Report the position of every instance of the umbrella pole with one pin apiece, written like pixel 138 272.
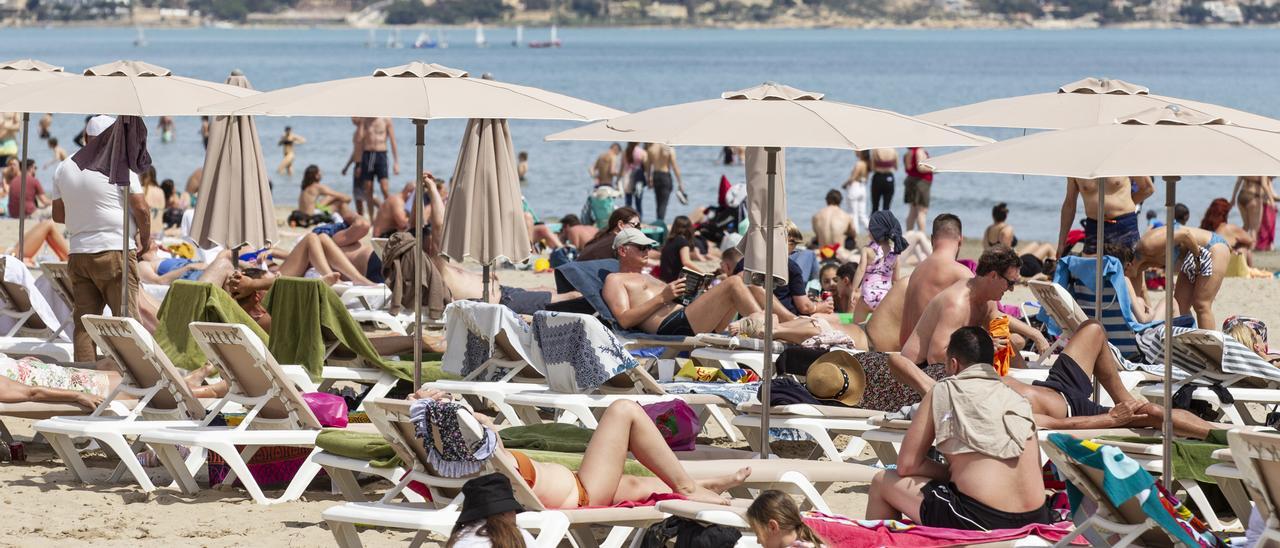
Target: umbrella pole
pixel 420 127
pixel 1167 455
pixel 22 189
pixel 124 256
pixel 1100 254
pixel 771 169
pixel 485 272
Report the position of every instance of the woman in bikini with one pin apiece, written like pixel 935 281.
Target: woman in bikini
pixel 624 428
pixel 1251 194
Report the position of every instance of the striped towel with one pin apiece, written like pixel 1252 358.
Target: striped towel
pixel 1216 355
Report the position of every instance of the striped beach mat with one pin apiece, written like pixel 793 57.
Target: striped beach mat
pixel 1217 356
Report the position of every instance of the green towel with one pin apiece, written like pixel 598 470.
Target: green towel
pixel 302 311
pixel 573 461
pixel 358 445
pixel 1190 457
pixel 565 438
pixel 188 302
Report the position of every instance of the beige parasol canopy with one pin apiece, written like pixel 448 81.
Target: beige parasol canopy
pixel 1170 141
pixel 758 209
pixel 771 116
pixel 21 71
pixel 235 205
pixel 1086 102
pixel 131 88
pixel 417 90
pixel 484 219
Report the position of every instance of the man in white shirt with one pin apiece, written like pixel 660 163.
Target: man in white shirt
pixel 90 207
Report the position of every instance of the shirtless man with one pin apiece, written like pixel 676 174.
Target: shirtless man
pixel 1121 215
pixel 287 142
pixel 968 302
pixel 375 134
pixel 360 191
pixel 937 272
pixel 640 301
pixel 605 170
pixel 465 284
pixel 392 218
pixel 833 224
pixel 992 477
pixel 660 163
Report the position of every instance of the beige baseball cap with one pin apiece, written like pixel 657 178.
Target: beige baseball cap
pixel 632 236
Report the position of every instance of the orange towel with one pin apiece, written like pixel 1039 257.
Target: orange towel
pixel 999 328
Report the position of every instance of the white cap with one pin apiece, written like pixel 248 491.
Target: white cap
pixel 730 241
pixel 98 124
pixel 632 236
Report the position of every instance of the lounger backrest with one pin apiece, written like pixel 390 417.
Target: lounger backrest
pixel 1058 304
pixel 392 418
pixel 253 372
pixel 143 364
pixel 1089 481
pixel 15 299
pixel 61 280
pixel 1257 455
pixel 1114 317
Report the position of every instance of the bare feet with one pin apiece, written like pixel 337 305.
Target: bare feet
pixel 702 494
pixel 726 482
pixel 331 278
pixel 750 326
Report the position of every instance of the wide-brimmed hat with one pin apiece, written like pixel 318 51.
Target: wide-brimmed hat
pixel 837 376
pixel 486 496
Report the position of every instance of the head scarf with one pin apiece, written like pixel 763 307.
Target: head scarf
pixel 1254 325
pixel 884 225
pixel 448 451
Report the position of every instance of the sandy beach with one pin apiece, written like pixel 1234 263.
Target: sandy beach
pixel 41 507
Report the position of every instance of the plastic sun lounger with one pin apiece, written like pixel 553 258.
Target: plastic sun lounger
pixel 164 400
pixel 29 336
pixel 1256 458
pixel 1212 346
pixel 276 411
pixel 517 376
pixel 821 422
pixel 1150 457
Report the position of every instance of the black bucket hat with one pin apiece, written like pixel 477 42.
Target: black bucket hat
pixel 486 496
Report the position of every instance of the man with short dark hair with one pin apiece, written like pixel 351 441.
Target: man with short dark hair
pixel 832 224
pixel 845 295
pixel 992 478
pixel 970 302
pixel 934 274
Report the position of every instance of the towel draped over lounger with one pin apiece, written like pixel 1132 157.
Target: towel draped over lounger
pixel 188 302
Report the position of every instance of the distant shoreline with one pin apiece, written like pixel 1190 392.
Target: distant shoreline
pixel 941 24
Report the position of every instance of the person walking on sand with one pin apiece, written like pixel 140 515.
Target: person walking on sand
pixel 287 142
pixel 917 188
pixel 660 165
pixel 376 134
pixel 605 170
pixel 884 162
pixel 855 191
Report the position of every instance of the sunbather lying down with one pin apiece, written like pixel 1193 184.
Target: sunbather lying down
pixel 30 380
pixel 599 481
pixel 815 330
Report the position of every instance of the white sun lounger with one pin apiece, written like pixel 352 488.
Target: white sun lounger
pixel 821 422
pixel 32 328
pixel 164 400
pixel 1257 456
pixel 1150 456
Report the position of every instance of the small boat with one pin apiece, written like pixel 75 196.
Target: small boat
pixel 372 41
pixel 140 40
pixel 480 41
pixel 554 42
pixel 393 40
pixel 441 40
pixel 424 41
pixel 519 36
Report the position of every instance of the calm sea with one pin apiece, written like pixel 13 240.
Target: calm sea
pixel 902 70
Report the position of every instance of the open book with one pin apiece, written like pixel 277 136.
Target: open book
pixel 694 284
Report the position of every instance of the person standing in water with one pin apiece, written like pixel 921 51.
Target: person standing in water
pixel 855 191
pixel 287 142
pixel 165 126
pixel 660 166
pixel 884 162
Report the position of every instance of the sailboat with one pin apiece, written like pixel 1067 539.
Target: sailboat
pixel 393 40
pixel 480 41
pixel 372 41
pixel 141 39
pixel 441 40
pixel 554 42
pixel 519 36
pixel 424 41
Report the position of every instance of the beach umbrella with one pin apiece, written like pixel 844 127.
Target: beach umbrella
pixel 120 88
pixel 235 197
pixel 1168 141
pixel 771 116
pixel 421 92
pixel 766 213
pixel 1086 102
pixel 485 187
pixel 22 71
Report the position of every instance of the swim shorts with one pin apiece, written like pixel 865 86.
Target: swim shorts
pixel 1122 230
pixel 945 506
pixel 676 323
pixel 1076 388
pixel 373 165
pixel 916 191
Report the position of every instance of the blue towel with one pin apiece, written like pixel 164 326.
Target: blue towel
pixel 587 277
pixel 1082 269
pixel 807 260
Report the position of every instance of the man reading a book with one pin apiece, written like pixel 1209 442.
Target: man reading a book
pixel 642 302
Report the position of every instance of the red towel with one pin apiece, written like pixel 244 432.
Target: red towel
pixel 846 533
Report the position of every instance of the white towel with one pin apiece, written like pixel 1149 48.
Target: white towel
pixel 472 328
pixel 16 272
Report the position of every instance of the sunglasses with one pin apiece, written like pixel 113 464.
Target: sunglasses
pixel 634 224
pixel 1011 283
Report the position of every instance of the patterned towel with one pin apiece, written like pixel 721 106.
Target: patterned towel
pixel 472 330
pixel 577 352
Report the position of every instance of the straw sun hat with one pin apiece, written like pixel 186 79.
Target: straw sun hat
pixel 838 376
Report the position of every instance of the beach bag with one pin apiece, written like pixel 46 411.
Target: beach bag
pixel 329 409
pixel 677 422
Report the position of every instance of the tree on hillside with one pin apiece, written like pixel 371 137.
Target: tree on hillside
pixel 406 12
pixel 1010 7
pixel 463 11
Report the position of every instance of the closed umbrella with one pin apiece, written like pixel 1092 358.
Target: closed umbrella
pixel 485 187
pixel 1171 141
pixel 1085 102
pixel 122 88
pixel 419 91
pixel 235 197
pixel 771 116
pixel 766 213
pixel 21 71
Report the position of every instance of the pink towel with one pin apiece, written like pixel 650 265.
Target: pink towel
pixel 847 533
pixel 651 501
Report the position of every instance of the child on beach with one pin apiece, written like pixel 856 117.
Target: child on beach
pixel 879 265
pixel 777 522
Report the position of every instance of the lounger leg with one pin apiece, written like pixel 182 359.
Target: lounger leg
pixel 66 450
pixel 5 435
pixel 183 478
pixel 550 535
pixel 584 415
pixel 886 452
pixel 824 441
pixel 810 492
pixel 583 537
pixel 124 450
pixel 237 461
pixel 346 483
pixel 1196 494
pixel 618 536
pixel 717 414
pixel 306 473
pixel 345 534
pixel 1237 497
